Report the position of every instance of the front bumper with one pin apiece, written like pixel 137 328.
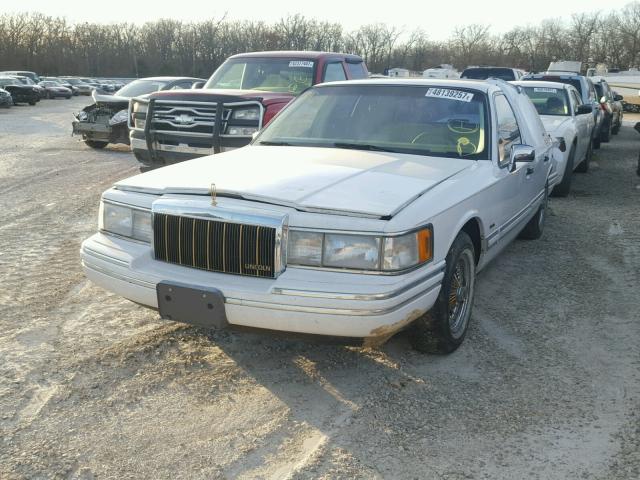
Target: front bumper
pixel 299 300
pixel 6 101
pixel 117 133
pixel 165 153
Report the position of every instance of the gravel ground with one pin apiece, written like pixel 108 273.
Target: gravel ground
pixel 546 385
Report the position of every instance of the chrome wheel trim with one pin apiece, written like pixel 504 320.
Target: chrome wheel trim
pixel 461 293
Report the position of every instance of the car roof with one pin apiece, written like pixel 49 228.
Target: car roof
pixel 481 85
pixel 542 83
pixel 168 79
pixel 296 54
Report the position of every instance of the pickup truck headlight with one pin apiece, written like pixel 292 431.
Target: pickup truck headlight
pixel 139 114
pixel 360 252
pixel 246 114
pixel 125 221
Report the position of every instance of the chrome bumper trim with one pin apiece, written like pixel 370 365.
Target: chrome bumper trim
pixel 357 296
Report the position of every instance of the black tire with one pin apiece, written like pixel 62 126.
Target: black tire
pixel 68 97
pixel 436 331
pixel 605 133
pixel 534 228
pixel 96 144
pixel 564 187
pixel 616 128
pixel 596 142
pixel 32 102
pixel 583 167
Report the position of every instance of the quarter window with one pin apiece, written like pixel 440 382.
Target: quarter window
pixel 356 70
pixel 508 130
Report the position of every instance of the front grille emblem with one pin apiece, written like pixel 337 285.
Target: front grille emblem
pixel 183 119
pixel 214 194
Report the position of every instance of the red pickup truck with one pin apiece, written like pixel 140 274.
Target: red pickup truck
pixel 245 93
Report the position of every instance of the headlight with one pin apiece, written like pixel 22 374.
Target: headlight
pixel 360 252
pixel 119 117
pixel 82 116
pixel 351 251
pixel 125 221
pixel 246 131
pixel 305 248
pixel 246 114
pixel 139 114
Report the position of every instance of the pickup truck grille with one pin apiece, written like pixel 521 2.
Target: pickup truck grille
pixel 216 246
pixel 185 119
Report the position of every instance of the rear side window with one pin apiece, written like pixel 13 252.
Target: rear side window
pixel 484 73
pixel 356 70
pixel 508 130
pixel 334 72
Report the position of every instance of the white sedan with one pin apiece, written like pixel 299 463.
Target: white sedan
pixel 567 120
pixel 364 208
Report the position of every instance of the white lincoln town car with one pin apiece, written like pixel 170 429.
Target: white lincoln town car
pixel 364 208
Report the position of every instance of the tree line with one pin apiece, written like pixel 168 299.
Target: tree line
pixel 53 46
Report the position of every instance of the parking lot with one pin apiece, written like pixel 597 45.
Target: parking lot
pixel 546 385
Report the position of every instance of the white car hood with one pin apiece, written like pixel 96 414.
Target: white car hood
pixel 372 184
pixel 554 123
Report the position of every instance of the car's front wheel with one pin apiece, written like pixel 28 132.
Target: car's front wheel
pixel 443 328
pixel 564 187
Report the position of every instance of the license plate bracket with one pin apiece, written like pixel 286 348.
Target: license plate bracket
pixel 201 306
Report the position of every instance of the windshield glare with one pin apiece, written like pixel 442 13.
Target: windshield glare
pixel 140 87
pixel 417 120
pixel 549 101
pixel 265 74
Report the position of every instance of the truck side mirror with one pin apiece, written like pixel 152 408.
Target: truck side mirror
pixel 617 97
pixel 197 85
pixel 584 109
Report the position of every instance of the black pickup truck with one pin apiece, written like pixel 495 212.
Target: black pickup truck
pixel 245 93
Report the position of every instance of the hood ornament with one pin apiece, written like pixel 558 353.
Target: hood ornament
pixel 214 194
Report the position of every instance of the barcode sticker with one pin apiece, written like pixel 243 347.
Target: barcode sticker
pixel 300 63
pixel 449 94
pixel 545 90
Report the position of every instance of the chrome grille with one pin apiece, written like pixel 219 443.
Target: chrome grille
pixel 216 246
pixel 185 119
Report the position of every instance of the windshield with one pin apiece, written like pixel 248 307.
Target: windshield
pixel 569 81
pixel 8 81
pixel 405 119
pixel 140 87
pixel 549 101
pixel 484 73
pixel 266 74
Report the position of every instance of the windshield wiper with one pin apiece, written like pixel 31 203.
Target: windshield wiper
pixel 363 146
pixel 277 144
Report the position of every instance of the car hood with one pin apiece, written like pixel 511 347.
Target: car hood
pixel 331 180
pixel 554 122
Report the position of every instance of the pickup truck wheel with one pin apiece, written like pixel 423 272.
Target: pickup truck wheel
pixel 32 102
pixel 534 228
pixel 96 144
pixel 583 167
pixel 443 328
pixel 616 128
pixel 562 189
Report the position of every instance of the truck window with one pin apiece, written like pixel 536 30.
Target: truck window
pixel 334 72
pixel 356 70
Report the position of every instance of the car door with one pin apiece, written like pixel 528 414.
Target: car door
pixel 584 126
pixel 515 187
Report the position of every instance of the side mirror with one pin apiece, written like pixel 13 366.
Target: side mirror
pixel 521 153
pixel 197 85
pixel 617 97
pixel 603 99
pixel 584 109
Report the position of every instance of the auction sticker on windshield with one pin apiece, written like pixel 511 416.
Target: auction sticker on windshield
pixel 300 63
pixel 545 90
pixel 449 94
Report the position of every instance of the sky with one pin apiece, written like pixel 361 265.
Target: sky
pixel 437 19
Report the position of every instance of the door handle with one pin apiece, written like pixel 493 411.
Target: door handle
pixel 530 170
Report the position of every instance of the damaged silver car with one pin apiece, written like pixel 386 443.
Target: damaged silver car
pixel 105 121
